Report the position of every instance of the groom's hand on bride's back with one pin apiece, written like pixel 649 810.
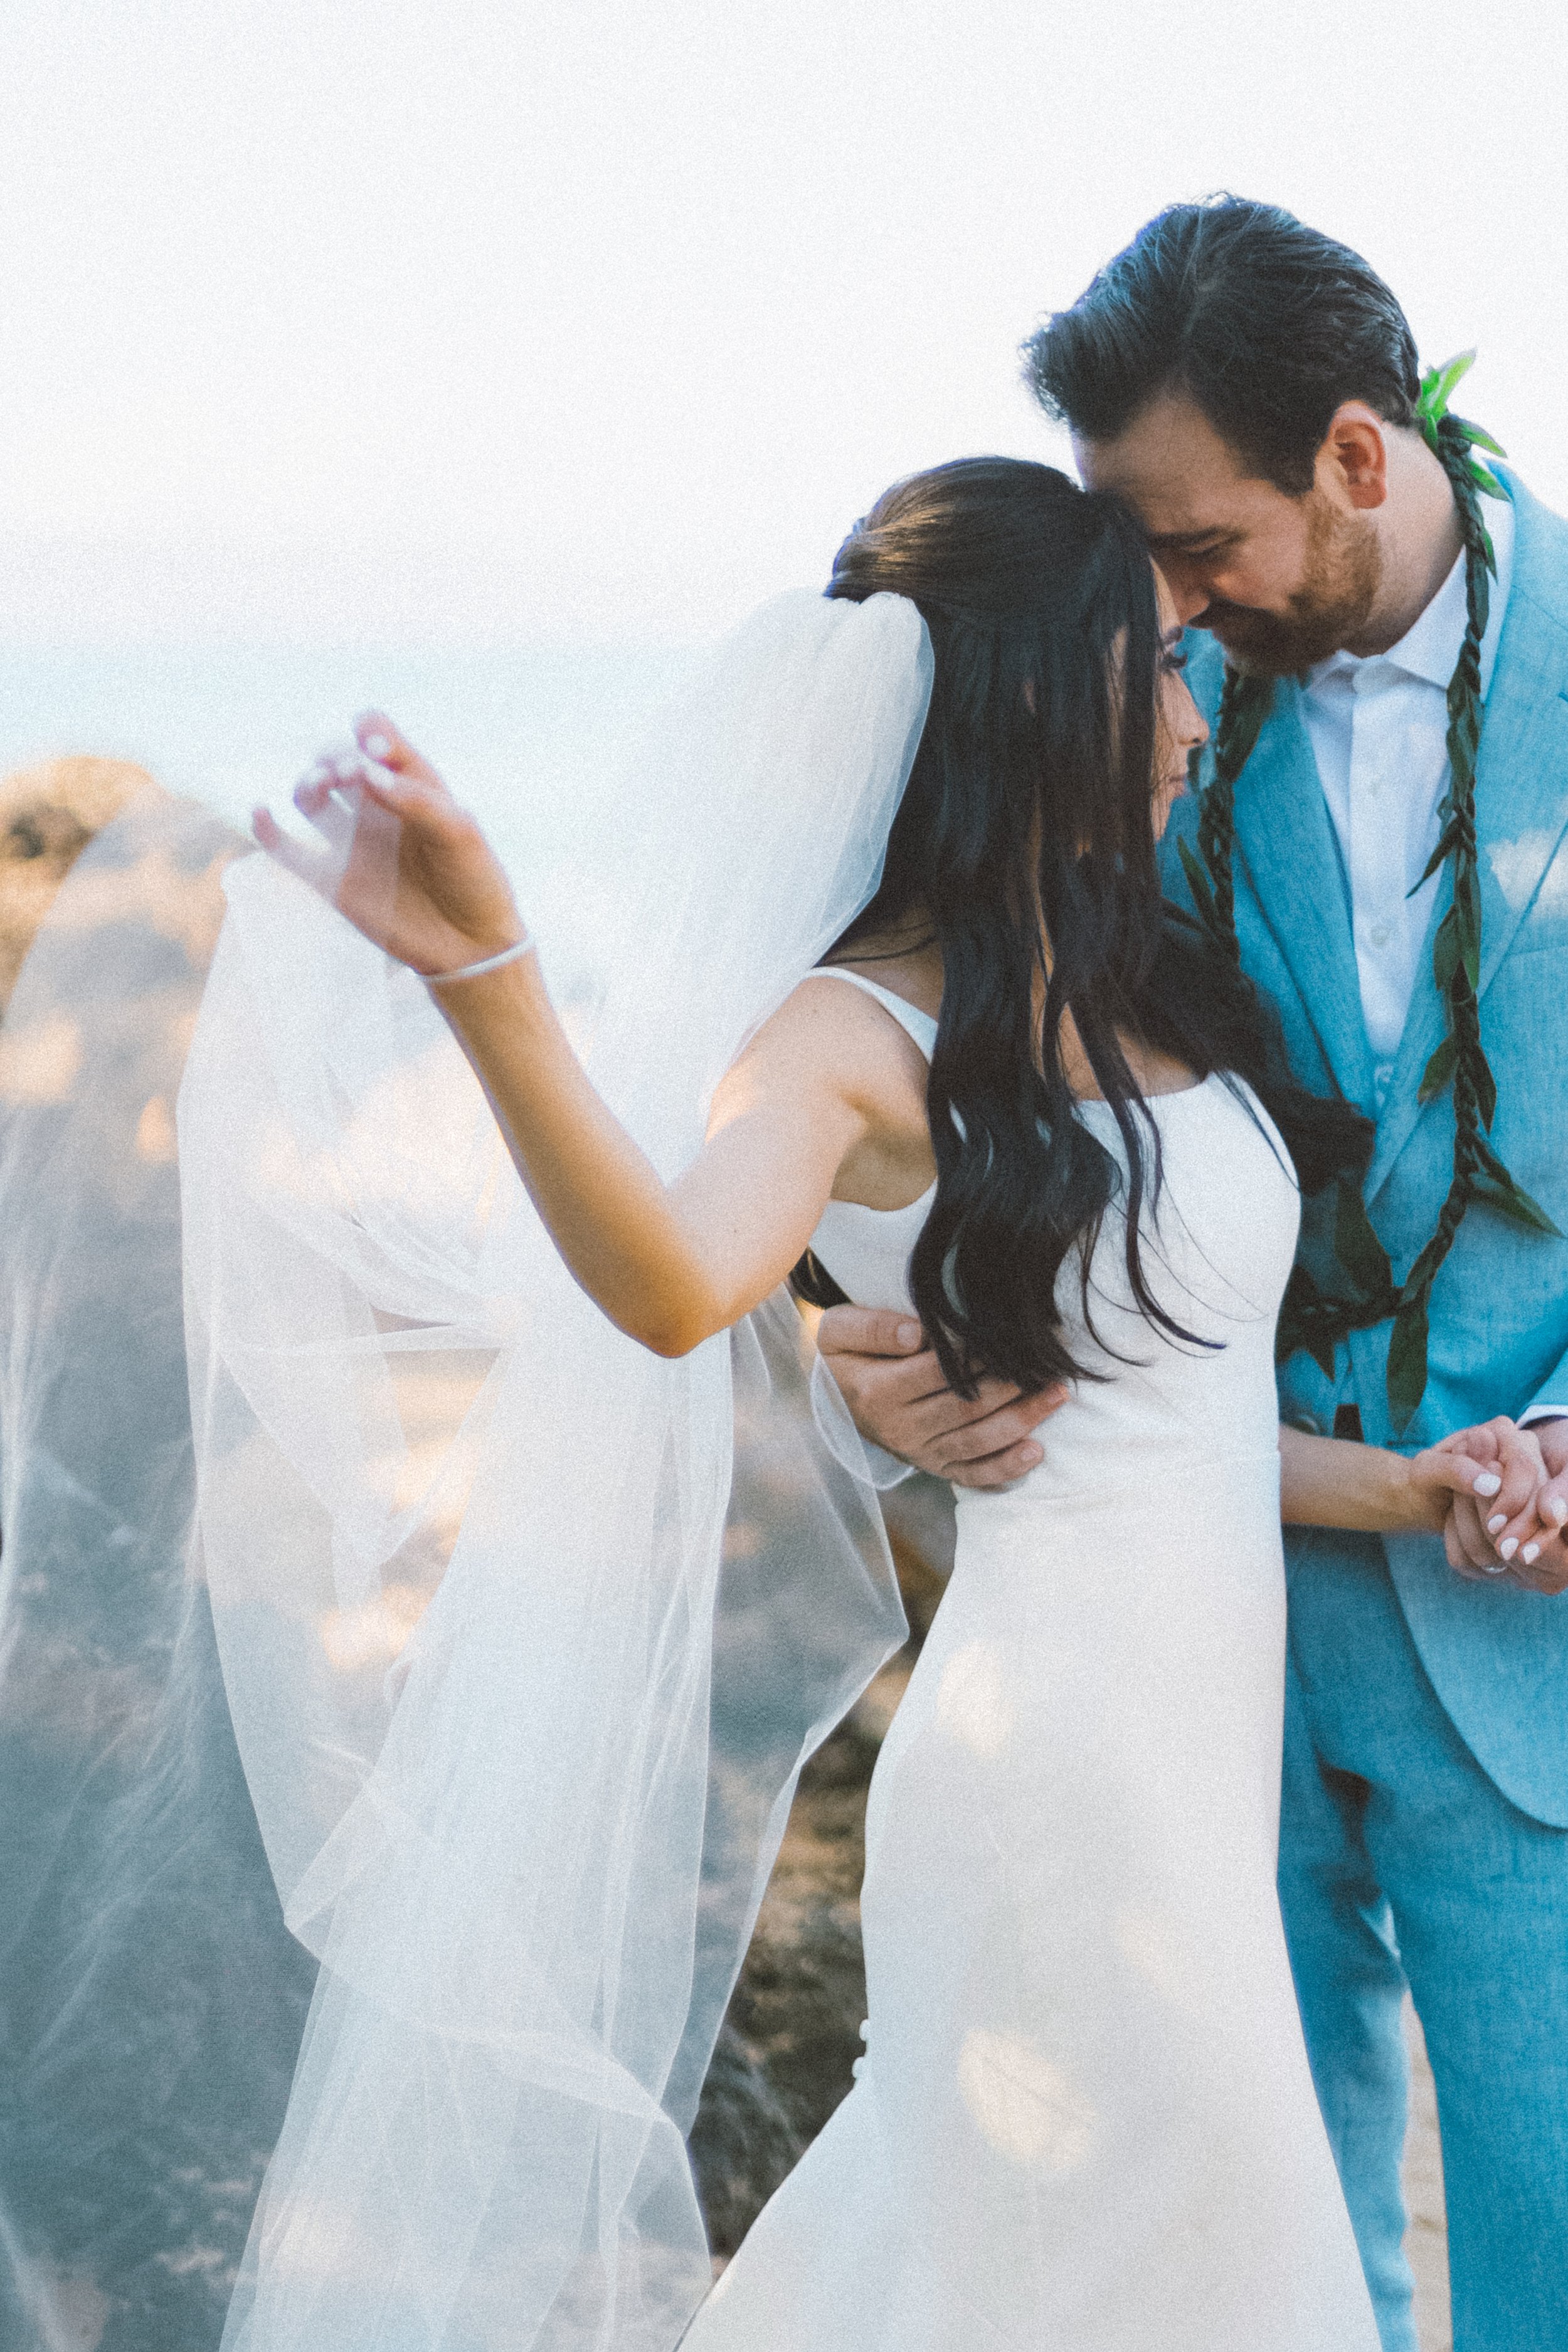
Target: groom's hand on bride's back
pixel 897 1397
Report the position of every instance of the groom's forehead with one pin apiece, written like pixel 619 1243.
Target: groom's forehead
pixel 1181 478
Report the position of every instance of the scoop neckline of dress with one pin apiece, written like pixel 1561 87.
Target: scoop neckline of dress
pixel 1164 1094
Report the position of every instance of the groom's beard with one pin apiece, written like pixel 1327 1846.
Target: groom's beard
pixel 1343 573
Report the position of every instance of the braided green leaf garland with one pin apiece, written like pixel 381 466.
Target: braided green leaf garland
pixel 1311 1317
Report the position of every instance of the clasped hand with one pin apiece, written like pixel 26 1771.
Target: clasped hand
pixel 1522 1529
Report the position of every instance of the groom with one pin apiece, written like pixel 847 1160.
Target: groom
pixel 1249 387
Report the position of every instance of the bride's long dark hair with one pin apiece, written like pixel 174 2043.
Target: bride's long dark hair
pixel 1028 817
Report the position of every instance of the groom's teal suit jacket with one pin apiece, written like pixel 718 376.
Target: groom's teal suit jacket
pixel 1497 1656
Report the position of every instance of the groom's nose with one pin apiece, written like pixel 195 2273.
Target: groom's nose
pixel 1189 590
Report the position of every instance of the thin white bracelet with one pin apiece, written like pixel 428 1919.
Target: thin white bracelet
pixel 522 946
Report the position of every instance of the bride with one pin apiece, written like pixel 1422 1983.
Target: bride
pixel 900 1006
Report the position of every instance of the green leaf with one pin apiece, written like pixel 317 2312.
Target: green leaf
pixel 1465 912
pixel 1407 1362
pixel 1438 859
pixel 1440 384
pixel 1478 591
pixel 1246 701
pixel 1482 440
pixel 1511 1199
pixel 1423 1274
pixel 1516 1205
pixel 1198 882
pixel 1446 953
pixel 1301 1325
pixel 1464 728
pixel 1486 1088
pixel 1356 1244
pixel 1485 479
pixel 1438 1071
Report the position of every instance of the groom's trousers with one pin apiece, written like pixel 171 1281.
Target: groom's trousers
pixel 1401 1862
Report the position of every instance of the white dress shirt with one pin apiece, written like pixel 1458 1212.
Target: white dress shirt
pixel 1378 725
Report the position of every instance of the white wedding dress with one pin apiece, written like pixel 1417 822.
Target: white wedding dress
pixel 1084 2121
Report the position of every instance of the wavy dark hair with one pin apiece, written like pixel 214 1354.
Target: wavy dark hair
pixel 1027 818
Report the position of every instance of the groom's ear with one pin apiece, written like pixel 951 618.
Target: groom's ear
pixel 1353 462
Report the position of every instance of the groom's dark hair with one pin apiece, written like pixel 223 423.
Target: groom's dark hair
pixel 1267 326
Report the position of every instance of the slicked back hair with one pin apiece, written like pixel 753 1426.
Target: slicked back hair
pixel 1267 326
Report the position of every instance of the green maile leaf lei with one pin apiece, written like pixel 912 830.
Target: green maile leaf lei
pixel 1311 1317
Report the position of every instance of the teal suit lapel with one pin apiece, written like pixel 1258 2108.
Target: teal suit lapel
pixel 1521 801
pixel 1285 839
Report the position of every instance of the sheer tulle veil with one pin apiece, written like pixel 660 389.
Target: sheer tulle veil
pixel 466 1544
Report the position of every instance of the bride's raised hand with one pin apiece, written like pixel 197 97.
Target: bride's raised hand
pixel 398 856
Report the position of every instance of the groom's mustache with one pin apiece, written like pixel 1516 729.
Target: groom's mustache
pixel 1215 618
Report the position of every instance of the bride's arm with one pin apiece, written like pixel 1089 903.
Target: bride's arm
pixel 669 1264
pixel 1330 1481
pixel 1336 1482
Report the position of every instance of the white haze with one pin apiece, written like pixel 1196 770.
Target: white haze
pixel 485 324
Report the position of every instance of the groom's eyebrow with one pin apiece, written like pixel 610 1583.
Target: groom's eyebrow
pixel 1184 542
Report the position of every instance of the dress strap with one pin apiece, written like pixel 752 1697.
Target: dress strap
pixel 919 1025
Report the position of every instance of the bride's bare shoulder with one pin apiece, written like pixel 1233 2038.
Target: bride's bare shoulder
pixel 829 1034
pixel 906 965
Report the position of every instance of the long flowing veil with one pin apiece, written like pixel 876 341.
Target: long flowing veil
pixel 151 1999
pixel 463 1540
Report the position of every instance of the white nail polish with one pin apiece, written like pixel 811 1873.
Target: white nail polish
pixel 1558 1509
pixel 1531 1554
pixel 379 746
pixel 1500 1520
pixel 1508 1548
pixel 1494 1566
pixel 1488 1483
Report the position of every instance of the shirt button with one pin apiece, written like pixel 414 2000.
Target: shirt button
pixel 1380 934
pixel 1381 1077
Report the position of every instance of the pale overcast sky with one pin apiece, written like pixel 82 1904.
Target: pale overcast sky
pixel 466 320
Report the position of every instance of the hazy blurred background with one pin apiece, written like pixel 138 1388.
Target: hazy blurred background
pixel 471 357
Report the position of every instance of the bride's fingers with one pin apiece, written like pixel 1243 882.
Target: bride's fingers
pixel 1511 1520
pixel 1480 1443
pixel 380 740
pixel 331 805
pixel 1455 1474
pixel 332 795
pixel 309 864
pixel 1522 1528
